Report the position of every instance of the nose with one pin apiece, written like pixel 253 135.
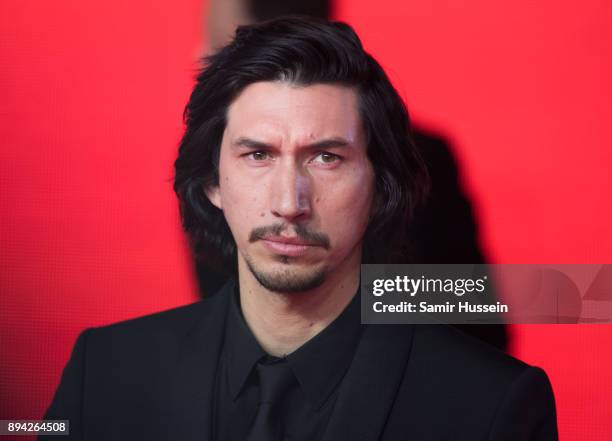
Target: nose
pixel 290 192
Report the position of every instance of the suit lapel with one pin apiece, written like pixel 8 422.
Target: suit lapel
pixel 367 392
pixel 193 389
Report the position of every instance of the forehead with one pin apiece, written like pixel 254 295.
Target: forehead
pixel 291 112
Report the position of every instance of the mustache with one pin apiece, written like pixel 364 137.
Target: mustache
pixel 304 233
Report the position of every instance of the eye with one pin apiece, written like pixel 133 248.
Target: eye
pixel 258 155
pixel 326 158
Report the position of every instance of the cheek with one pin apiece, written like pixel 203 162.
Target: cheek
pixel 345 213
pixel 242 205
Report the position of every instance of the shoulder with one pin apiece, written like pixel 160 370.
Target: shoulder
pixel 153 334
pixel 472 387
pixel 455 361
pixel 174 320
pixel 445 362
pixel 445 347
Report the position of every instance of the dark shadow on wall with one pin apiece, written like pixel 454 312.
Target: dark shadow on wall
pixel 445 229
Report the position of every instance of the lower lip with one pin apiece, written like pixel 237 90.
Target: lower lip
pixel 287 249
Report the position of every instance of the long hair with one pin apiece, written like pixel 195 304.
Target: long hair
pixel 302 51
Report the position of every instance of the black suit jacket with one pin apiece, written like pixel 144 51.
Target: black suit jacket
pixel 152 378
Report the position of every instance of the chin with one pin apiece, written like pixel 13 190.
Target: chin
pixel 287 278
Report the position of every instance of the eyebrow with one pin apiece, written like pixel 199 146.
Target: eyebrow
pixel 322 144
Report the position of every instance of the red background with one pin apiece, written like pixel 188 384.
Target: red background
pixel 91 100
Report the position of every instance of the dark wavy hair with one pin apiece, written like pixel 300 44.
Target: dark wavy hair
pixel 302 51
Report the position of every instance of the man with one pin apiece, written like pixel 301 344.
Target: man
pixel 296 166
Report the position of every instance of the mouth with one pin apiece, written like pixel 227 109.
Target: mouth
pixel 288 246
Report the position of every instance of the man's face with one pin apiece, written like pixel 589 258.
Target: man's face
pixel 295 183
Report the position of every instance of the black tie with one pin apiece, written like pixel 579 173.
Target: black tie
pixel 274 381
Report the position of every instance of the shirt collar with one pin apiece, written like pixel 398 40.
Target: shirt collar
pixel 319 364
pixel 243 350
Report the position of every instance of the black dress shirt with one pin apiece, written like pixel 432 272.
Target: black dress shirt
pixel 318 365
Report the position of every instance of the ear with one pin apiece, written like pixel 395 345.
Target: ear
pixel 214 195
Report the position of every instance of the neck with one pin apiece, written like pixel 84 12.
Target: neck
pixel 280 322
